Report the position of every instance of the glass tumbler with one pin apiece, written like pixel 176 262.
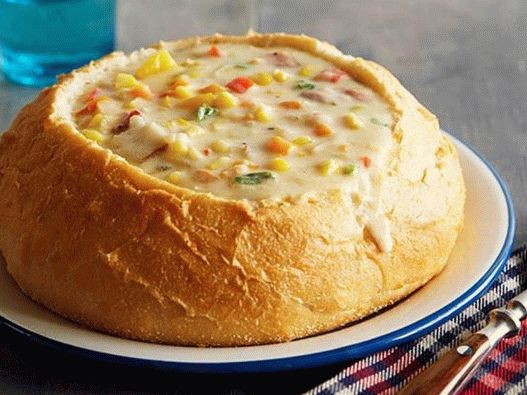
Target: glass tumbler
pixel 40 39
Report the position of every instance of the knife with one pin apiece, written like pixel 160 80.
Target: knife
pixel 452 371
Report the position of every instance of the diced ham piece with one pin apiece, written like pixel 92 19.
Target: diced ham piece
pixel 125 123
pixel 321 97
pixel 330 75
pixel 357 95
pixel 282 58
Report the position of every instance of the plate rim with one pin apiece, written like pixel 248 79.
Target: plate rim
pixel 311 360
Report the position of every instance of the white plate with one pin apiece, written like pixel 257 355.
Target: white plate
pixel 478 257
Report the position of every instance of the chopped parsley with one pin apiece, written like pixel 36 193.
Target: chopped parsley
pixel 204 111
pixel 253 178
pixel 163 168
pixel 301 84
pixel 241 66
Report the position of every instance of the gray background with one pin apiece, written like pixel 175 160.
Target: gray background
pixel 465 60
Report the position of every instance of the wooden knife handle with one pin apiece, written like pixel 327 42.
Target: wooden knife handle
pixel 448 374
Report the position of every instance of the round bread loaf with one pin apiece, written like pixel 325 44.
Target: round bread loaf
pixel 118 212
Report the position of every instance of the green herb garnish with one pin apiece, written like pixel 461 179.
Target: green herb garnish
pixel 163 168
pixel 301 84
pixel 253 178
pixel 348 170
pixel 205 111
pixel 241 66
pixel 378 122
pixel 356 107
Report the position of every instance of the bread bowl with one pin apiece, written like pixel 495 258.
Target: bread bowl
pixel 327 208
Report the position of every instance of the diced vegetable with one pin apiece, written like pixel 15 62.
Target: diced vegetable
pixel 180 80
pixel 225 100
pixel 302 140
pixel 95 122
pixel 348 170
pixel 279 164
pixel 357 107
pixel 142 90
pixel 301 84
pixel 93 135
pixel 125 81
pixel 212 88
pixel 177 148
pixel 331 75
pixel 194 73
pixel 89 108
pixel 219 163
pixel 366 161
pixel 194 154
pixel 280 76
pixel 156 63
pixel 329 167
pixel 253 178
pixel 278 145
pixel 352 121
pixel 175 177
pixel 290 104
pixel 306 71
pixel 192 103
pixel 181 92
pixel 220 146
pixel 240 84
pixel 168 102
pixel 262 114
pixel 322 130
pixel 262 79
pixel 241 66
pixel 215 51
pixel 205 111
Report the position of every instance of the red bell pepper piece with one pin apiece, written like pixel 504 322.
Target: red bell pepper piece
pixel 240 84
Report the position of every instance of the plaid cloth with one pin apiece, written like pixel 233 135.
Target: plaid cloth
pixel 503 372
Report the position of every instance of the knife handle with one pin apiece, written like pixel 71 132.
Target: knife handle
pixel 449 373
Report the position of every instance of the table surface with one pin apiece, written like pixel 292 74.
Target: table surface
pixel 465 60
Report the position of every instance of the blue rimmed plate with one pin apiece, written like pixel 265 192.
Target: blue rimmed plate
pixel 478 257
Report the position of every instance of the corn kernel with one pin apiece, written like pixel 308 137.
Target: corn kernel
pixel 262 115
pixel 262 79
pixel 322 130
pixel 180 80
pixel 133 104
pixel 194 130
pixel 306 71
pixel 183 122
pixel 142 90
pixel 182 92
pixel 194 102
pixel 194 154
pixel 278 145
pixel 329 167
pixel 156 63
pixel 167 101
pixel 352 121
pixel 125 81
pixel 194 74
pixel 219 163
pixel 225 100
pixel 220 146
pixel 280 76
pixel 302 140
pixel 177 148
pixel 212 88
pixel 93 135
pixel 279 164
pixel 175 177
pixel 95 122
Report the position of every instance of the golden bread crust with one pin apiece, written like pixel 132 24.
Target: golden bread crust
pixel 98 241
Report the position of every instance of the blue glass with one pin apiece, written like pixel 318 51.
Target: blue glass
pixel 40 39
